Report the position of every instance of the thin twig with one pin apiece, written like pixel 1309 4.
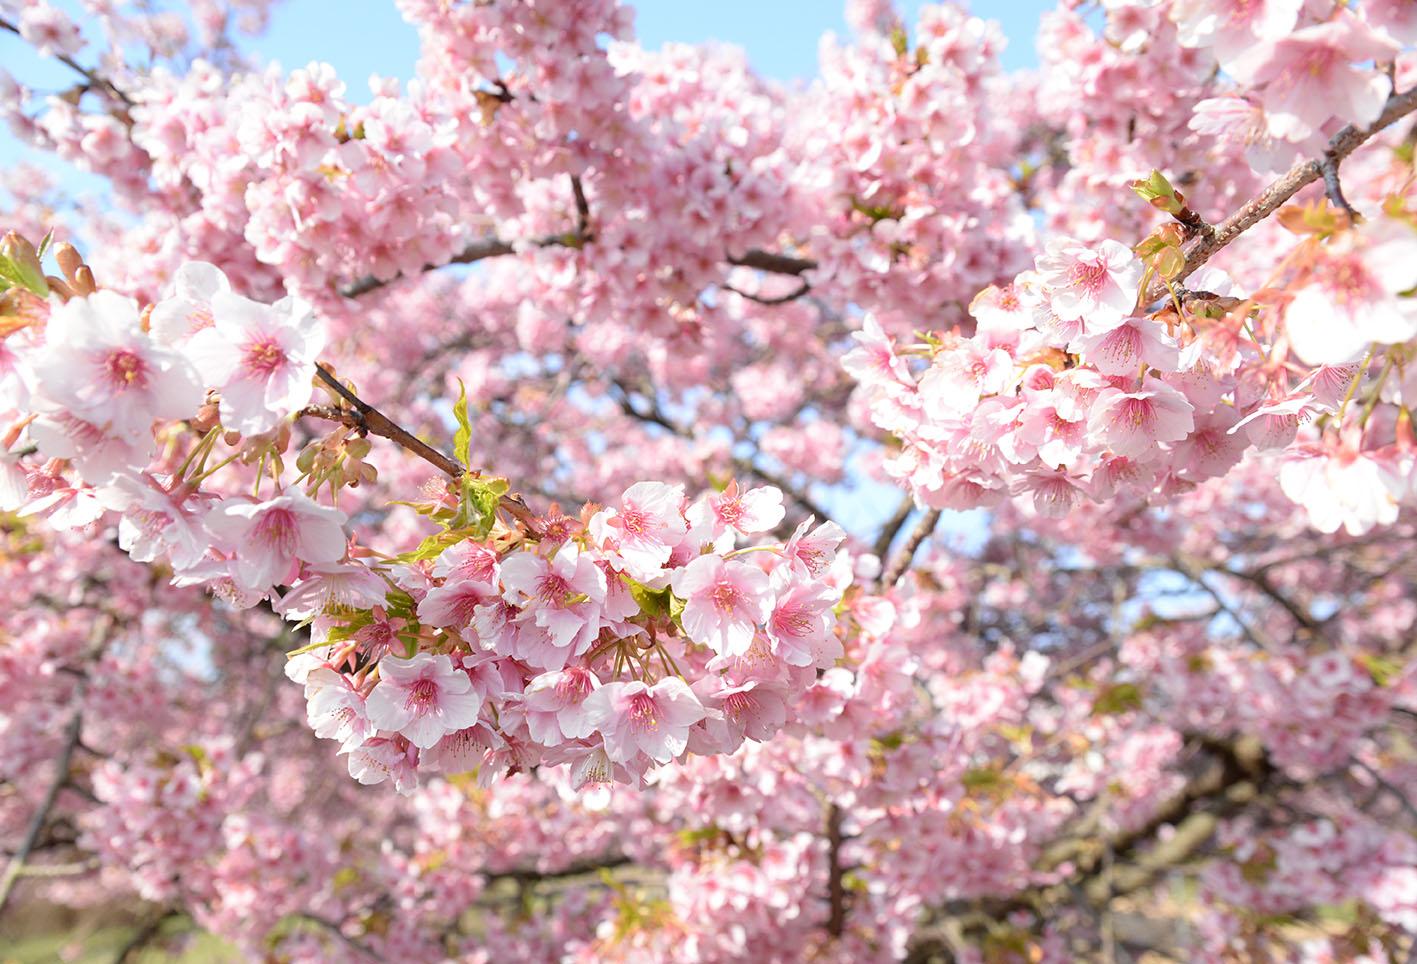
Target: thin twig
pixel 1387 785
pixel 1302 174
pixel 1333 188
pixel 576 869
pixel 96 81
pixel 582 207
pixel 836 874
pixel 368 418
pixel 41 815
pixel 144 935
pixel 359 947
pixel 13 871
pixel 924 526
pixel 891 527
pixel 375 422
pixel 772 262
pixel 792 295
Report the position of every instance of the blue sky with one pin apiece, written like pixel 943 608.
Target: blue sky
pixel 780 35
pixel 368 36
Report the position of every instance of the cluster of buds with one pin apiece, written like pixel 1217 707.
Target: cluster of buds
pixel 336 460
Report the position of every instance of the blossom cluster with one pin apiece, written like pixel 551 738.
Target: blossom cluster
pixel 1068 392
pixel 613 644
pixel 664 726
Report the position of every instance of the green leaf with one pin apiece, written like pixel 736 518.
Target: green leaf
pixel 676 610
pixel 693 836
pixel 44 243
pixel 400 604
pixel 652 602
pixel 1117 698
pixel 1382 667
pixel 477 506
pixel 433 545
pixel 462 441
pixel 15 273
pixel 987 781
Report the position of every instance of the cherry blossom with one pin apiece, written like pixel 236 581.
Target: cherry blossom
pixel 269 537
pixel 423 698
pixel 634 718
pixel 261 357
pixel 724 603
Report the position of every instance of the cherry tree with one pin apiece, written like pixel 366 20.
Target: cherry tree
pixel 585 502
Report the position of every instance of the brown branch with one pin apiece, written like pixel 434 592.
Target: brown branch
pixel 772 262
pixel 1333 188
pixel 1302 174
pixel 1235 776
pixel 496 247
pixel 144 935
pixel 366 417
pixel 13 871
pixel 375 422
pixel 1261 581
pixel 476 251
pixel 576 869
pixel 924 526
pixel 41 815
pixel 792 295
pixel 891 528
pixel 96 81
pixel 836 874
pixel 582 207
pixel 359 947
pixel 747 466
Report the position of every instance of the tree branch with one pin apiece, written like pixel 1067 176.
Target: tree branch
pixel 96 81
pixel 368 418
pixel 375 422
pixel 1302 174
pixel 496 248
pixel 13 871
pixel 891 528
pixel 41 815
pixel 1236 774
pixel 924 526
pixel 576 869
pixel 792 295
pixel 747 466
pixel 144 935
pixel 772 262
pixel 836 874
pixel 359 947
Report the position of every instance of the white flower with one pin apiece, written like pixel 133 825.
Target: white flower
pixel 261 358
pixel 98 366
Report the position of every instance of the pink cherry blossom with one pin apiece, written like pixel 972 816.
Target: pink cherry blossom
pixel 724 603
pixel 753 511
pixel 422 698
pixel 634 718
pixel 1097 284
pixel 556 705
pixel 260 357
pixel 645 529
pixel 1131 423
pixel 98 366
pixel 269 537
pixel 1122 348
pixel 1310 77
pixel 565 594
